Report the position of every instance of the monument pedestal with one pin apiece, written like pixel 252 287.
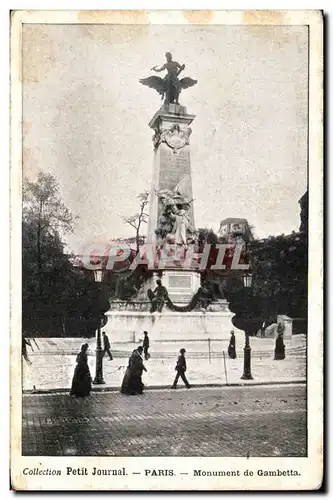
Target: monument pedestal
pixel 128 326
pixel 181 284
pixel 171 222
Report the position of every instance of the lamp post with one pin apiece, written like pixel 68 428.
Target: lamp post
pixel 247 375
pixel 98 275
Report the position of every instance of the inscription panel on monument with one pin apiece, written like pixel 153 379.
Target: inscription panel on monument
pixel 174 167
pixel 179 281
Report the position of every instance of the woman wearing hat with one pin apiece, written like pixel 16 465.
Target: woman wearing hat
pixel 81 383
pixel 232 346
pixel 279 352
pixel 132 381
pixel 181 369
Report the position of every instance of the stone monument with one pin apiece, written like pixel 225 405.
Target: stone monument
pixel 174 307
pixel 171 216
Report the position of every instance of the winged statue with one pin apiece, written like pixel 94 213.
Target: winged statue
pixel 170 86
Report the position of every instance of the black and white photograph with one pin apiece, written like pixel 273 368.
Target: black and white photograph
pixel 166 250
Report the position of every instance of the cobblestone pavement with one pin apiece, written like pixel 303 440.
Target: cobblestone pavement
pixel 256 421
pixel 53 365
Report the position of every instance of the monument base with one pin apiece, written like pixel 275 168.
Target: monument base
pixel 127 326
pixel 181 284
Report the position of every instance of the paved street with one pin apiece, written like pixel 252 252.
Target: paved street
pixel 234 421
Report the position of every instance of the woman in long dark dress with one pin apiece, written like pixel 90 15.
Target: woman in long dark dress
pixel 232 346
pixel 81 383
pixel 132 381
pixel 279 352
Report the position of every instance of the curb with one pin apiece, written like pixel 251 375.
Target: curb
pixel 166 387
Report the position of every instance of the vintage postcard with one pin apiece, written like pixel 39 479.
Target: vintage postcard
pixel 166 250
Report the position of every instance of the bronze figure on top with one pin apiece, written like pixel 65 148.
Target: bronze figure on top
pixel 170 86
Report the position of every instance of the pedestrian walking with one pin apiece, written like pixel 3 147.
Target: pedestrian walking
pixel 262 330
pixel 232 346
pixel 181 369
pixel 132 381
pixel 279 352
pixel 81 383
pixel 145 345
pixel 107 346
pixel 25 343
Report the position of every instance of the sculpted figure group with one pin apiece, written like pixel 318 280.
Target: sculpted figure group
pixel 174 225
pixel 170 86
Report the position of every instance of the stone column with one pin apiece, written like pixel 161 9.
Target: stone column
pixel 172 171
pixel 172 164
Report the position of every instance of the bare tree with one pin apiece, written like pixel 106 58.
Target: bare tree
pixel 139 218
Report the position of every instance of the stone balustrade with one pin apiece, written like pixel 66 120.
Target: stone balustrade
pixel 122 305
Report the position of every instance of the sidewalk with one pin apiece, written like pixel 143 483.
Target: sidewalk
pixel 260 347
pixel 52 371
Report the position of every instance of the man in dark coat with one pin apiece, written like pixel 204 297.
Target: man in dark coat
pixel 107 346
pixel 145 345
pixel 181 369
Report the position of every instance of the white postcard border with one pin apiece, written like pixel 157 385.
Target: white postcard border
pixel 311 467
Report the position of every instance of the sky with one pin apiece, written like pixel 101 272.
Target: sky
pixel 85 120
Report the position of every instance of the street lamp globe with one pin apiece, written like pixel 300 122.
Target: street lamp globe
pixel 98 275
pixel 247 280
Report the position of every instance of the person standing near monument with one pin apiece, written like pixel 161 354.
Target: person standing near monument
pixel 181 369
pixel 107 346
pixel 232 346
pixel 145 345
pixel 279 352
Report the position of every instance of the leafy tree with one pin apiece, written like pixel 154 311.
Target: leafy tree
pixel 47 217
pixel 46 275
pixel 57 297
pixel 279 267
pixel 206 236
pixel 247 308
pixel 280 274
pixel 279 270
pixel 219 281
